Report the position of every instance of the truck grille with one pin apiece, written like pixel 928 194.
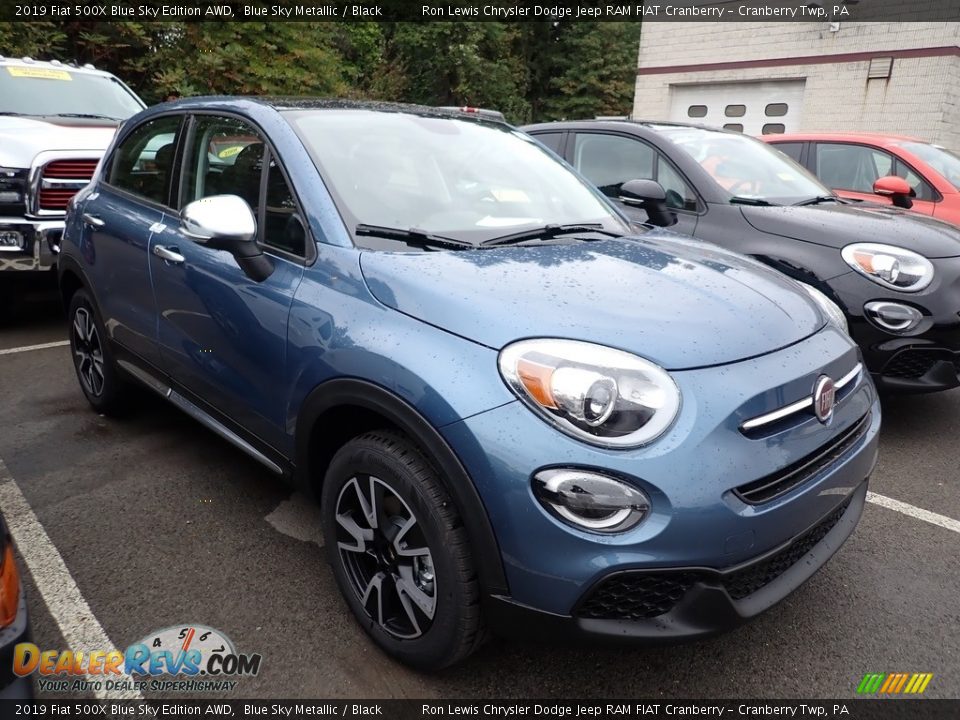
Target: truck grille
pixel 60 181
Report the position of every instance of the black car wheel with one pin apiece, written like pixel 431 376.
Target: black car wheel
pixel 399 551
pixel 96 369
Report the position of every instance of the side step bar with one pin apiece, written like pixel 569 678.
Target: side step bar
pixel 199 415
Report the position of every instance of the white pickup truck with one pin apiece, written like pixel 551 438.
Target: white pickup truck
pixel 56 120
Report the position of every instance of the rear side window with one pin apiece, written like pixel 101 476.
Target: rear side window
pixel 551 140
pixel 143 162
pixel 791 150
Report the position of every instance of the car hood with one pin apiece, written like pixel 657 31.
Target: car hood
pixel 22 138
pixel 679 303
pixel 837 225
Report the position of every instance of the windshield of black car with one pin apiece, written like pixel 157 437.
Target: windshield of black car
pixel 49 91
pixel 458 178
pixel 940 159
pixel 745 167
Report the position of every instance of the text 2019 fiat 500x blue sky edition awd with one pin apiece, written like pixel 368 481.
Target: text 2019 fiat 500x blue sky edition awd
pixel 513 405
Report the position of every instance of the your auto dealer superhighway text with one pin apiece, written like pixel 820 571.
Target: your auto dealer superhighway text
pixel 577 710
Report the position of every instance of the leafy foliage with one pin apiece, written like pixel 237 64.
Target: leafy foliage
pixel 530 70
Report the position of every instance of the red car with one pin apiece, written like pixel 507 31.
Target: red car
pixel 865 166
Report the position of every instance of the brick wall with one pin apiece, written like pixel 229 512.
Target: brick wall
pixel 921 98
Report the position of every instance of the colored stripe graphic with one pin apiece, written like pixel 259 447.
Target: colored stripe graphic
pixel 894 683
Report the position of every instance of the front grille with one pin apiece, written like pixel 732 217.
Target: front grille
pixel 783 481
pixel 635 596
pixel 63 172
pixel 643 595
pixel 912 364
pixel 747 581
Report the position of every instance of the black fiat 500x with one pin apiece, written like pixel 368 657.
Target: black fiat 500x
pixel 895 274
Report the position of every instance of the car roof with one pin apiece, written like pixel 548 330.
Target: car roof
pixel 869 137
pixel 651 125
pixel 28 62
pixel 294 103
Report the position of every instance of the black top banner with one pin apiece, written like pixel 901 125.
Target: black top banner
pixel 483 10
pixel 547 709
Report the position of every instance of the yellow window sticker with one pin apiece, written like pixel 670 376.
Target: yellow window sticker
pixel 230 151
pixel 44 73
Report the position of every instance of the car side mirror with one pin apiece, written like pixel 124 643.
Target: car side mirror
pixel 648 195
pixel 226 222
pixel 895 188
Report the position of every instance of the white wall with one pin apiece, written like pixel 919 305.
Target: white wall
pixel 921 98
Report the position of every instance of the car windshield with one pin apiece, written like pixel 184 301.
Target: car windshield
pixel 940 159
pixel 462 179
pixel 746 168
pixel 56 91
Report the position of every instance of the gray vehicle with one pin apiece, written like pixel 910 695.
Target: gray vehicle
pixel 56 120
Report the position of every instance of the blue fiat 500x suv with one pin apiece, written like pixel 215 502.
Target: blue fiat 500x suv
pixel 512 404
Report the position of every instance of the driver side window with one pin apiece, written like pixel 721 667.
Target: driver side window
pixel 227 157
pixel 608 161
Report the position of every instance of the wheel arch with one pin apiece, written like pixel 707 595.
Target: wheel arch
pixel 341 409
pixel 70 278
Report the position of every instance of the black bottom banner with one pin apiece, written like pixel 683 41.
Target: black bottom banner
pixel 860 709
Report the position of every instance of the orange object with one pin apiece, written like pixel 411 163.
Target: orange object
pixel 536 379
pixel 9 587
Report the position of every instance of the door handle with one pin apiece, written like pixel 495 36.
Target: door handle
pixel 168 254
pixel 93 220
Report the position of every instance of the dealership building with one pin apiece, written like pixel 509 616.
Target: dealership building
pixel 769 77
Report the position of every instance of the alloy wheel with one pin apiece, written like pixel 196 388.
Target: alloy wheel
pixel 88 352
pixel 386 557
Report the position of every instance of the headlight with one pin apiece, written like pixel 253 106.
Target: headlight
pixel 597 394
pixel 892 267
pixel 13 183
pixel 829 307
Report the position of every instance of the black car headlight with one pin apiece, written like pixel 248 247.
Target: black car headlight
pixel 893 267
pixel 594 393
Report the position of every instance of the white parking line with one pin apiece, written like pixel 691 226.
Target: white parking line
pixel 28 348
pixel 914 512
pixel 54 582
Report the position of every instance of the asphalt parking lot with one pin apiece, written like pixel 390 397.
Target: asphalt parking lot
pixel 159 522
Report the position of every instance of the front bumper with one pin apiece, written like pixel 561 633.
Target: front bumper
pixel 41 244
pixel 923 361
pixel 687 603
pixel 12 686
pixel 699 525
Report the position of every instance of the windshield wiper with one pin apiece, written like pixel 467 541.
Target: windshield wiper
pixel 414 237
pixel 819 199
pixel 10 112
pixel 547 232
pixel 92 116
pixel 740 200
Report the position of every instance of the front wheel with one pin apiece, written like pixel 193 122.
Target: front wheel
pixel 97 372
pixel 399 552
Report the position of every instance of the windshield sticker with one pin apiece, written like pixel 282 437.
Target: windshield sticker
pixel 43 73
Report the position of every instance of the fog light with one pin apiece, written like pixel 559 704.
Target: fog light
pixel 589 500
pixel 11 240
pixel 892 316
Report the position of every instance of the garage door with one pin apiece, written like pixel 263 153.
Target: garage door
pixel 756 108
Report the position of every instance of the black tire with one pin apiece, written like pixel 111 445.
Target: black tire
pixel 100 379
pixel 406 486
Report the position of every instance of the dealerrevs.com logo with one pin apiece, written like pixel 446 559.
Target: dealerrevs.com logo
pixel 179 658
